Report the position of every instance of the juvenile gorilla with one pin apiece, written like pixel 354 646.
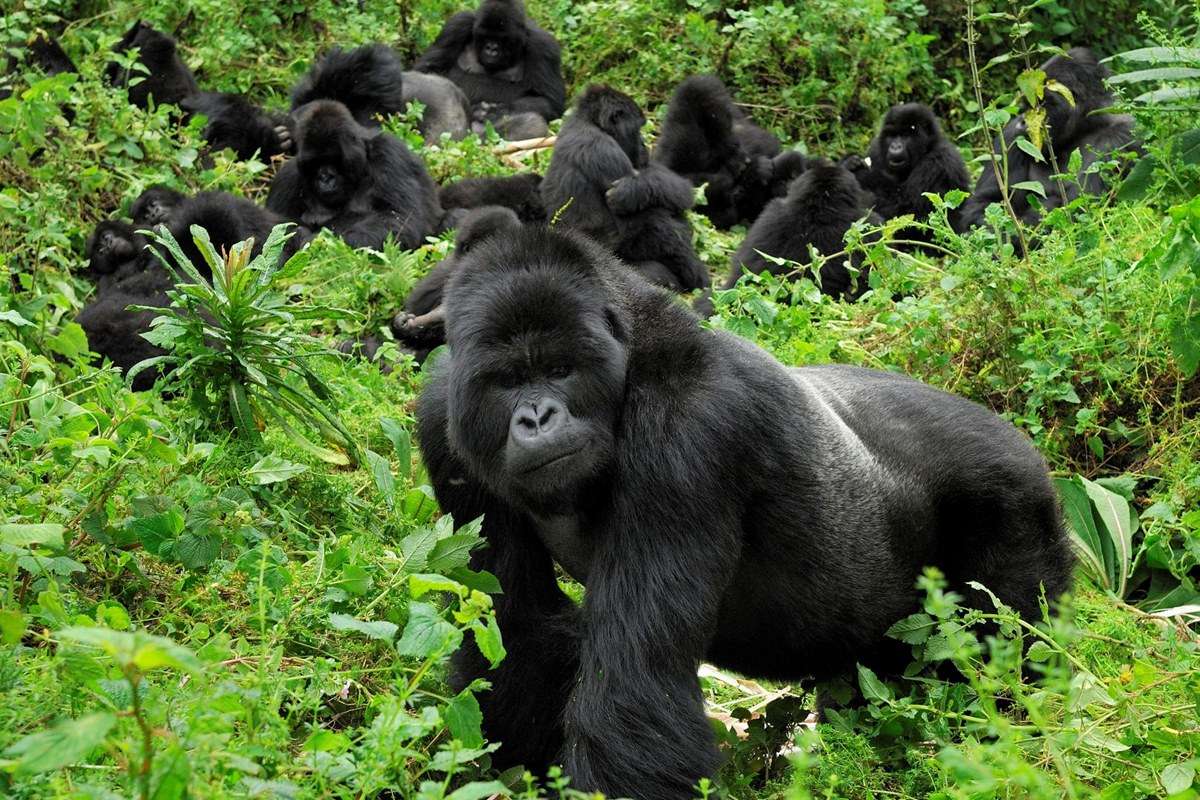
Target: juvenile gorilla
pixel 910 157
pixel 1098 137
pixel 521 193
pixel 713 502
pixel 819 208
pixel 155 206
pixel 169 79
pixel 599 182
pixel 708 140
pixel 422 324
pixel 236 123
pixel 368 81
pixel 363 184
pixel 509 68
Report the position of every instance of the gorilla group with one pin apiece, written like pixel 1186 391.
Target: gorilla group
pixel 710 499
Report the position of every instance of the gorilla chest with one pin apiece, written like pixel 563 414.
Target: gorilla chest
pixel 483 87
pixel 563 536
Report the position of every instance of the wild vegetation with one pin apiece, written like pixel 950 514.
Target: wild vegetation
pixel 242 587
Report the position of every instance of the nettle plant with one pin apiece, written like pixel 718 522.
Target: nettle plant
pixel 234 348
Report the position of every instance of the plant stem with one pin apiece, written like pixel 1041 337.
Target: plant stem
pixel 142 776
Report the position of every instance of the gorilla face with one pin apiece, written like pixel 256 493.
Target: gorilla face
pixel 499 35
pixel 112 244
pixel 907 134
pixel 619 116
pixel 155 206
pixel 534 398
pixel 333 154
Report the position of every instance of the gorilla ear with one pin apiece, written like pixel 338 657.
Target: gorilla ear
pixel 615 324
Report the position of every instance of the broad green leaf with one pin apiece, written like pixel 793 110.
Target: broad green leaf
pixel 1177 778
pixel 1137 183
pixel 872 688
pixel 1040 652
pixel 382 630
pixel 1115 515
pixel 1162 55
pixel 913 629
pixel 1156 74
pixel 196 551
pixel 401 442
pixel 25 535
pixel 482 581
pixel 427 634
pixel 141 650
pixel 1169 94
pixel 421 584
pixel 63 744
pixel 489 642
pixel 15 318
pixel 448 758
pixel 1032 83
pixel 12 626
pixel 381 471
pixel 1028 148
pixel 1081 525
pixel 416 547
pixel 1032 186
pixel 477 790
pixel 464 719
pixel 273 469
pixel 452 552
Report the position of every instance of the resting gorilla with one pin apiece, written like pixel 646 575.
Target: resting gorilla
pixel 521 193
pixel 910 157
pixel 363 184
pixel 114 331
pixel 155 206
pixel 169 80
pixel 707 139
pixel 1098 136
pixel 368 80
pixel 819 208
pixel 509 68
pixel 712 501
pixel 599 183
pixel 236 123
pixel 421 326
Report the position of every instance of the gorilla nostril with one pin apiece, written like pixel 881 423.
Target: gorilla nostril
pixel 546 416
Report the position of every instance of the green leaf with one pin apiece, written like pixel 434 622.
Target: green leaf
pixel 872 688
pixel 1029 149
pixel 464 719
pixel 1031 186
pixel 25 535
pixel 196 551
pixel 1156 74
pixel 913 629
pixel 452 552
pixel 1032 83
pixel 1119 522
pixel 1087 540
pixel 1137 183
pixel 477 790
pixel 64 744
pixel 1040 652
pixel 381 630
pixel 15 318
pixel 1177 778
pixel 489 641
pixel 381 471
pixel 422 583
pixel 1162 55
pixel 401 443
pixel 427 634
pixel 273 469
pixel 141 650
pixel 12 626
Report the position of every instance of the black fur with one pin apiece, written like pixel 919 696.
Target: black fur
pixel 229 219
pixel 910 157
pixel 155 206
pixel 708 140
pixel 363 184
pixel 421 326
pixel 368 80
pixel 169 81
pixel 599 183
pixel 236 123
pixel 114 331
pixel 819 208
pixel 114 251
pixel 717 505
pixel 1084 127
pixel 520 192
pixel 509 68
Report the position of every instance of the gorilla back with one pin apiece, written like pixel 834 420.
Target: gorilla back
pixel 717 504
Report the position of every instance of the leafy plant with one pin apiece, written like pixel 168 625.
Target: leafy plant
pixel 1101 522
pixel 234 348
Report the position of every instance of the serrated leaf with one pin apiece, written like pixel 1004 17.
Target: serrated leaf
pixel 477 790
pixel 489 641
pixel 422 583
pixel 464 719
pixel 872 688
pixel 1040 652
pixel 64 744
pixel 381 471
pixel 427 634
pixel 452 552
pixel 401 443
pixel 913 629
pixel 141 650
pixel 273 469
pixel 1177 778
pixel 1032 186
pixel 382 630
pixel 196 551
pixel 24 535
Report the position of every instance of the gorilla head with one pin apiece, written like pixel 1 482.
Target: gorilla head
pixel 333 157
pixel 155 206
pixel 112 244
pixel 618 115
pixel 909 131
pixel 500 35
pixel 539 365
pixel 1083 76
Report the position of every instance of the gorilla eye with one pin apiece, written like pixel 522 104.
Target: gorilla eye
pixel 560 371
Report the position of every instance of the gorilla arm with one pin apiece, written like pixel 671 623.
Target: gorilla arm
pixel 457 34
pixel 654 186
pixel 545 93
pixel 538 623
pixel 635 722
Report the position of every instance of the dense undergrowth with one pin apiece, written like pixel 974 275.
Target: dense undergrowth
pixel 186 612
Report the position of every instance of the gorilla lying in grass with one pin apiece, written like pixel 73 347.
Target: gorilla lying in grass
pixel 717 505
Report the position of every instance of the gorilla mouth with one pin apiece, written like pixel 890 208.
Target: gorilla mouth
pixel 553 460
pixel 897 163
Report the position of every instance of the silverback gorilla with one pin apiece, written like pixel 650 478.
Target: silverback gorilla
pixel 713 501
pixel 509 68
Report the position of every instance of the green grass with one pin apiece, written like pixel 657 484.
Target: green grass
pixel 317 604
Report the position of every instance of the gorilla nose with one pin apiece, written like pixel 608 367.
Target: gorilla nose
pixel 896 149
pixel 536 419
